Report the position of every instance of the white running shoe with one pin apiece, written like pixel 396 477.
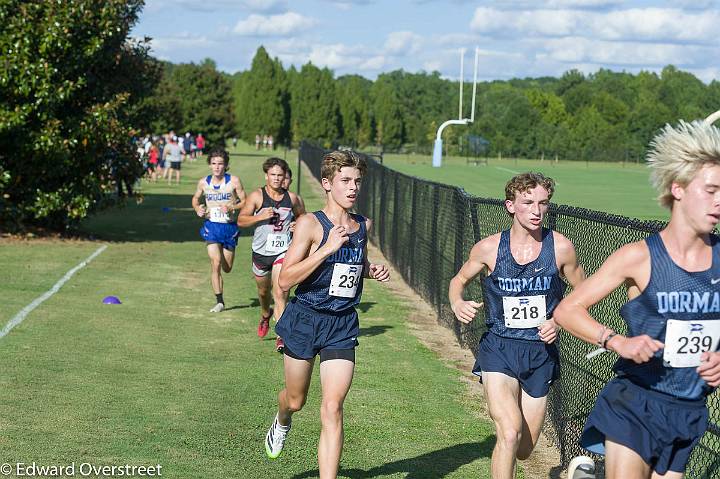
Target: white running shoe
pixel 217 308
pixel 275 438
pixel 581 467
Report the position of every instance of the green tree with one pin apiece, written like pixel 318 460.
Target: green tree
pixel 205 100
pixel 262 107
pixel 354 103
pixel 683 93
pixel 72 87
pixel 387 111
pixel 315 108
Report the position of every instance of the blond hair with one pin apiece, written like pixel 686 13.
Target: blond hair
pixel 527 181
pixel 677 154
pixel 335 160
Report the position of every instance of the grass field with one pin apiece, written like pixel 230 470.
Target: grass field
pixel 159 380
pixel 618 188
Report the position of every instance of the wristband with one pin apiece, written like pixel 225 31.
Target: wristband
pixel 608 338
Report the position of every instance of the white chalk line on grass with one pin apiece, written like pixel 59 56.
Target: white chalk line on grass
pixel 18 318
pixel 508 170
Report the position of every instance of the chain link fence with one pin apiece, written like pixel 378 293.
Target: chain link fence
pixel 426 230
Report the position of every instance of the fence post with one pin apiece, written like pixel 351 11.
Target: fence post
pixel 396 220
pixel 434 243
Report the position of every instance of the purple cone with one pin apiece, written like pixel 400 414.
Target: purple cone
pixel 111 300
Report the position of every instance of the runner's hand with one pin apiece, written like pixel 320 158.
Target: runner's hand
pixel 548 331
pixel 709 369
pixel 201 211
pixel 465 311
pixel 265 214
pixel 337 237
pixel 292 226
pixel 638 348
pixel 379 272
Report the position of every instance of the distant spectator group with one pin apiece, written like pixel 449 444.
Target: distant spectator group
pixel 266 140
pixel 163 155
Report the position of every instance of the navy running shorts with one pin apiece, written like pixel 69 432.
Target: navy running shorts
pixel 225 234
pixel 661 429
pixel 307 332
pixel 533 363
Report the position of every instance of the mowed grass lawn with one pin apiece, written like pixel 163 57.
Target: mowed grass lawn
pixel 159 380
pixel 621 189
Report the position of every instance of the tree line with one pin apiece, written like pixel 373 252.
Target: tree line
pixel 606 115
pixel 75 89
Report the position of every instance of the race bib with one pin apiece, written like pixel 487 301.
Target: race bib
pixel 277 243
pixel 685 341
pixel 524 311
pixel 345 280
pixel 218 216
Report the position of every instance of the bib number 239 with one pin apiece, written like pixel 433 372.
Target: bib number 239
pixel 524 311
pixel 345 280
pixel 685 341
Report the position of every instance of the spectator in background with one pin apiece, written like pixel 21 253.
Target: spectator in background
pixel 173 152
pixel 257 141
pixel 152 162
pixel 270 142
pixel 199 144
pixel 187 146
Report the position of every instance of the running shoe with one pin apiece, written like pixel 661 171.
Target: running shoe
pixel 217 308
pixel 275 438
pixel 279 345
pixel 264 325
pixel 581 467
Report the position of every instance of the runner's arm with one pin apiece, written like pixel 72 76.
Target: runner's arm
pixel 622 267
pixel 298 205
pixel 376 271
pixel 199 208
pixel 567 258
pixel 239 192
pixel 299 263
pixel 465 311
pixel 246 216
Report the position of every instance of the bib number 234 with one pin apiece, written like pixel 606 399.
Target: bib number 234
pixel 345 280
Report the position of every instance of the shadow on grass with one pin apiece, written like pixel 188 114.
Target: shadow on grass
pixel 254 303
pixel 366 306
pixel 374 330
pixel 160 217
pixel 434 464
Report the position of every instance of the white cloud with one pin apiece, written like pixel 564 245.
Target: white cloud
pixel 530 22
pixel 554 4
pixel 647 24
pixel 657 24
pixel 281 25
pixel 579 50
pixel 582 3
pixel 402 43
pixel 373 64
pixel 171 44
pixel 265 6
pixel 194 5
pixel 337 56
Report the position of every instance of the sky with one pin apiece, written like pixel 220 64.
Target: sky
pixel 515 38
